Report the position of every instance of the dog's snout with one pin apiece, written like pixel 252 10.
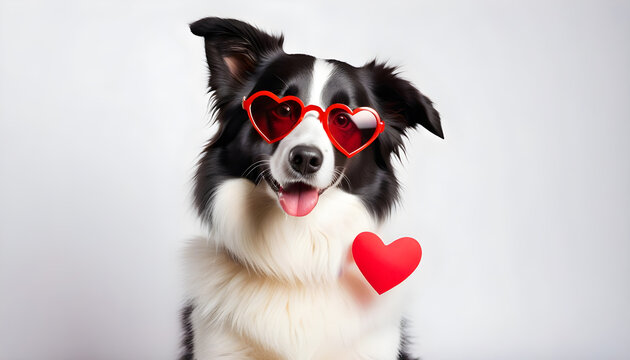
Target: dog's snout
pixel 305 159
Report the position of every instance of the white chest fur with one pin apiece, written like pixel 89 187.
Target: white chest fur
pixel 269 286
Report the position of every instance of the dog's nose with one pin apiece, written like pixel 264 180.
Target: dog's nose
pixel 305 159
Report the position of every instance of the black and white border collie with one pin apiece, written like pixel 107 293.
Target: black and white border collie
pixel 267 285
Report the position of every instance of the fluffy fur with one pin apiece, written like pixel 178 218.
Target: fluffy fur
pixel 266 285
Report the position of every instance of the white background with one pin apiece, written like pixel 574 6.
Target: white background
pixel 523 211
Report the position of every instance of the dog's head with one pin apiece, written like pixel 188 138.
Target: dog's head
pixel 305 162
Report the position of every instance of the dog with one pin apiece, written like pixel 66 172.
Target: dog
pixel 300 164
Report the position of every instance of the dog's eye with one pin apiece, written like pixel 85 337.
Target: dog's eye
pixel 282 111
pixel 341 121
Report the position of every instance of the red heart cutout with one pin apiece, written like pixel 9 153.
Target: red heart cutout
pixel 385 266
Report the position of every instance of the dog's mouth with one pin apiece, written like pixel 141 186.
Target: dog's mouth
pixel 296 198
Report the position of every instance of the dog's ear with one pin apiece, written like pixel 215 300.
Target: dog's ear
pixel 401 101
pixel 233 50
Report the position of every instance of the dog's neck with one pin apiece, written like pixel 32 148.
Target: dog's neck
pixel 248 224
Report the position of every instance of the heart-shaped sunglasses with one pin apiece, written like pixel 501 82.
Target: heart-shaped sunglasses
pixel 350 131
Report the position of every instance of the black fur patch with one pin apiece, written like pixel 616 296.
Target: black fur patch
pixel 188 352
pixel 403 353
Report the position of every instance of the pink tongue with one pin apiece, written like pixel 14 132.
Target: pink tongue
pixel 298 199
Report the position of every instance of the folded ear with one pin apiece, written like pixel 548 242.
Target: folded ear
pixel 401 101
pixel 233 50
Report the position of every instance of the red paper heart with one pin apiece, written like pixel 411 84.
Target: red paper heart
pixel 385 266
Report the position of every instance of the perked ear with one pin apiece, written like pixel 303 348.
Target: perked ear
pixel 402 100
pixel 233 49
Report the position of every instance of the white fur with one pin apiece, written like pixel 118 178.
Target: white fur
pixel 308 132
pixel 270 286
pixel 322 70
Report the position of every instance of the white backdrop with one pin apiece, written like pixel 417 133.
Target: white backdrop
pixel 523 212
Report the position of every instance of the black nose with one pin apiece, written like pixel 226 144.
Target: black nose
pixel 305 159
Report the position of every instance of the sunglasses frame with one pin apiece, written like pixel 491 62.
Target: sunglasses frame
pixel 323 118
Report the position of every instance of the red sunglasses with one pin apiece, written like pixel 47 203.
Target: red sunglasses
pixel 349 130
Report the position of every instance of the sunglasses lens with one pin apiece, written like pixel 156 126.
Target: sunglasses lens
pixel 352 131
pixel 274 119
